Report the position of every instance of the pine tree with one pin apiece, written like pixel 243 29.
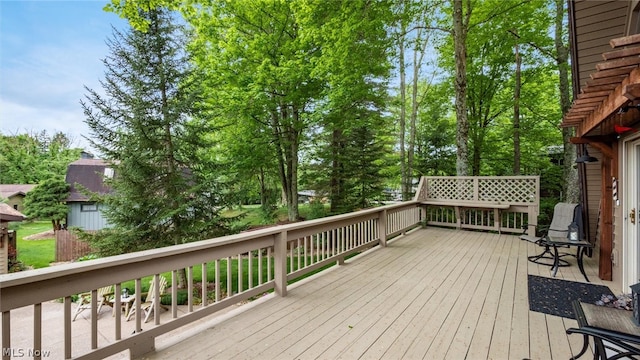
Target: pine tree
pixel 150 126
pixel 47 201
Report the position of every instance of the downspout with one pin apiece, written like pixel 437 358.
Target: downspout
pixel 575 79
pixel 573 46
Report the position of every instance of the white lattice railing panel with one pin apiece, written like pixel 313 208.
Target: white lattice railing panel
pixel 513 190
pixel 450 189
pixel 523 190
pixel 497 203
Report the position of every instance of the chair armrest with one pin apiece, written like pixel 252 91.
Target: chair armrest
pixel 540 229
pixel 623 341
pixel 533 239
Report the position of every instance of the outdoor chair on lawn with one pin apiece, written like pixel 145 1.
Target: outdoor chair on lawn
pixel 104 295
pixel 148 304
pixel 563 215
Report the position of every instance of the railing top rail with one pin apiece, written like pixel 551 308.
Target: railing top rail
pixel 484 177
pixel 44 274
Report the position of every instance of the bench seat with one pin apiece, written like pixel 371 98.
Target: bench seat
pixel 470 204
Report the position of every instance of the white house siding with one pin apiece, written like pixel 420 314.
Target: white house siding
pixel 86 220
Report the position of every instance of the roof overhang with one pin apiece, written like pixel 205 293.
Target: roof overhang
pixel 7 213
pixel 609 101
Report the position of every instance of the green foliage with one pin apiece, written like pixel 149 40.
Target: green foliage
pixel 33 158
pixel 167 189
pixel 297 81
pixel 316 210
pixel 48 201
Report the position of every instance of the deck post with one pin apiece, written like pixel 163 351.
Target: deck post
pixel 382 227
pixel 280 263
pixel 6 334
pixel 144 344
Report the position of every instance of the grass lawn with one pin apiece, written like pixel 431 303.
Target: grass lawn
pixel 40 253
pixel 34 253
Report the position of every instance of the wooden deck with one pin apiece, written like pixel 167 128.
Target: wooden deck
pixel 432 294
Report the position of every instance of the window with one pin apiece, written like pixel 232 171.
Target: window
pixel 15 207
pixel 89 207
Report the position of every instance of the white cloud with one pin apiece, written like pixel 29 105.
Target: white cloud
pixel 46 61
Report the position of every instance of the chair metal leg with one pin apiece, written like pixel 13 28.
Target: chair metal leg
pixel 585 346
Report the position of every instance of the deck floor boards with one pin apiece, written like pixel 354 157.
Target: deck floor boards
pixel 431 294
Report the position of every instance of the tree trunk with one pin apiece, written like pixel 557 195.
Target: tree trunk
pixel 294 139
pixel 403 115
pixel 516 114
pixel 570 173
pixel 336 181
pixel 417 63
pixel 182 278
pixel 286 138
pixel 460 52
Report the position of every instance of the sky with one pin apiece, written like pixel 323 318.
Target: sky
pixel 50 50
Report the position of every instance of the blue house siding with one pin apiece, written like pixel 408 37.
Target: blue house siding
pixel 87 216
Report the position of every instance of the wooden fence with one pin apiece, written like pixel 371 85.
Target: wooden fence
pixel 69 247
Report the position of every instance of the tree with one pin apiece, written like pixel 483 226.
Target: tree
pixel 572 189
pixel 257 59
pixel 167 186
pixel 354 67
pixel 35 157
pixel 461 15
pixel 412 42
pixel 47 201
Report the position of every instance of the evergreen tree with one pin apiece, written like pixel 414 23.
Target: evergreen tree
pixel 149 125
pixel 47 201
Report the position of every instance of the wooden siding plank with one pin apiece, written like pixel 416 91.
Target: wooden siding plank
pixel 599 40
pixel 614 27
pixel 590 7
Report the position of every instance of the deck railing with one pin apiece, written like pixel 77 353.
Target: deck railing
pixel 241 267
pixel 497 203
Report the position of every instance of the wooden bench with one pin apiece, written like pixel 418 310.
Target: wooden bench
pixel 613 331
pixel 459 204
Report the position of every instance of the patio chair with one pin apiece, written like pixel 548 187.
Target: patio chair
pixel 148 304
pixel 84 300
pixel 563 215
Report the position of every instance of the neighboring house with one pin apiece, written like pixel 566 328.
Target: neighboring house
pixel 15 193
pixel 605 49
pixel 7 238
pixel 82 175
